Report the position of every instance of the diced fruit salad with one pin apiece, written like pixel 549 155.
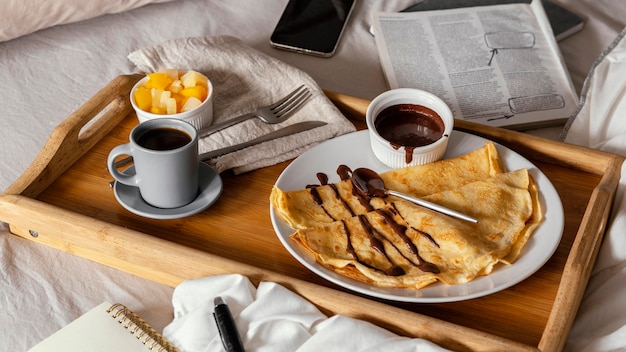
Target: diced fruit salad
pixel 170 91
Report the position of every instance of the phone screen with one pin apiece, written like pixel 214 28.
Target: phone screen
pixel 312 26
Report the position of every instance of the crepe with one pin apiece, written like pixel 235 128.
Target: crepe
pixel 331 202
pixel 395 243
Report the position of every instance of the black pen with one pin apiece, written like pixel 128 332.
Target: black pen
pixel 226 326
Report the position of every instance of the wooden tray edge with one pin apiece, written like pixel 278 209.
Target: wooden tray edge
pixel 580 261
pixel 129 251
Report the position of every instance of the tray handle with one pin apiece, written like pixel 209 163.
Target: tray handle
pixel 71 139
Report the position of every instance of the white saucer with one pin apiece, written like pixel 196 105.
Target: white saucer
pixel 210 189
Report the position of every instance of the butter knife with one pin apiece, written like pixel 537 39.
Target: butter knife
pixel 285 131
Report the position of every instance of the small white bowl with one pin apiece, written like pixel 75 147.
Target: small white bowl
pixel 199 117
pixel 397 157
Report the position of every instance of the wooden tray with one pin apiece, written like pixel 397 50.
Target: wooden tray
pixel 64 201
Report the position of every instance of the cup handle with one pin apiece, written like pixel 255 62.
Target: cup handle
pixel 126 179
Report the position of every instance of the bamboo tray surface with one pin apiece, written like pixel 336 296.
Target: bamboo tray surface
pixel 64 201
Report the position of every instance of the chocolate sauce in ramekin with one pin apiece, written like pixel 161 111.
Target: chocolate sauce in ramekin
pixel 409 126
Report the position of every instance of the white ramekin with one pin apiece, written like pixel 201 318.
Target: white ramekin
pixel 396 158
pixel 199 117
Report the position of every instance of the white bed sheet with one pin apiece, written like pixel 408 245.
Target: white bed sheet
pixel 48 74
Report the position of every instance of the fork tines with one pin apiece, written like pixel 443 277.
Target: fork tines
pixel 292 101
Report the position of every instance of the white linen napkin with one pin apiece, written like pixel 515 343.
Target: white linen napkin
pixel 272 318
pixel 243 80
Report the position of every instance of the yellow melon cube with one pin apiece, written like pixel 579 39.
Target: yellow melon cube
pixel 156 110
pixel 199 92
pixel 179 100
pixel 172 73
pixel 159 80
pixel 143 98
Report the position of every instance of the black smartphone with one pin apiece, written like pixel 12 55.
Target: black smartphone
pixel 312 27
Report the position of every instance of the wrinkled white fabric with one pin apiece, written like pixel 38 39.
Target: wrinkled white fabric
pixel 245 79
pixel 601 124
pixel 271 318
pixel 21 17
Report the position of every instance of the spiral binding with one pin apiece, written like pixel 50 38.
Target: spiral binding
pixel 140 329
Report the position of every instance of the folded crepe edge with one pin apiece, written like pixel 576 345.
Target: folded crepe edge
pixel 532 223
pixel 488 155
pixel 278 199
pixel 351 268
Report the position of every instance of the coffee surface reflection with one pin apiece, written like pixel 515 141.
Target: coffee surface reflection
pixel 163 139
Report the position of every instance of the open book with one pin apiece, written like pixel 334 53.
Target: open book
pixel 107 327
pixel 564 22
pixel 498 65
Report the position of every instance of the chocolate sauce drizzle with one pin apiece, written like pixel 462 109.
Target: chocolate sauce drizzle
pixel 349 247
pixel 323 179
pixel 376 241
pixel 375 237
pixel 345 174
pixel 400 231
pixel 425 234
pixel 316 195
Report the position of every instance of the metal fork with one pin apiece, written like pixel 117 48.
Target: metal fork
pixel 278 112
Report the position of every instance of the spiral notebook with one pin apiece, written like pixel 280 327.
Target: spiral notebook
pixel 107 327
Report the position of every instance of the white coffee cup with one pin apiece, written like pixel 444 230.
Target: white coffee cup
pixel 165 154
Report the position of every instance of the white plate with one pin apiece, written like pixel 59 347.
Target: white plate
pixel 354 151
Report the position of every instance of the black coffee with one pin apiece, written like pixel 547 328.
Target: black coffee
pixel 163 139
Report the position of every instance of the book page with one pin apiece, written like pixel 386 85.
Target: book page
pixel 497 65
